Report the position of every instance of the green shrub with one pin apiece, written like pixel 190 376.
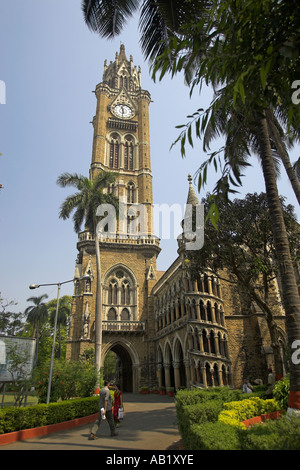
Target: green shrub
pixel 281 434
pixel 249 408
pixel 212 436
pixel 198 414
pixel 16 419
pixel 69 380
pixel 281 392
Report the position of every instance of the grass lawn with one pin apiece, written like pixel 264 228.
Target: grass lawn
pixel 9 400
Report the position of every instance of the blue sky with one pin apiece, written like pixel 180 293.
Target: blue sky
pixel 50 63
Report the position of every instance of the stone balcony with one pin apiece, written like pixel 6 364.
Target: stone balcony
pixel 147 242
pixel 114 326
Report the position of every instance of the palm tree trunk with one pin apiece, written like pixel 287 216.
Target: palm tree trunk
pixel 284 157
pixel 98 312
pixel 290 295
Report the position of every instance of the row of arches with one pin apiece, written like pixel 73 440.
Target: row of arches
pixel 207 284
pixel 208 341
pixel 192 309
pixel 176 369
pixel 131 191
pixel 120 294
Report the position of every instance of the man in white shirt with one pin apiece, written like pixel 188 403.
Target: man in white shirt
pixel 105 412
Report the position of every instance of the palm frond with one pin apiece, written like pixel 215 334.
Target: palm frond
pixel 69 179
pixel 108 17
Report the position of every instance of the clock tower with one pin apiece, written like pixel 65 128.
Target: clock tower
pixel 121 144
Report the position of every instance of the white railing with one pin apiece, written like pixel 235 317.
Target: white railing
pixel 119 238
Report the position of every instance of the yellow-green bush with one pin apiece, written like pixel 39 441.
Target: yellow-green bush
pixel 235 412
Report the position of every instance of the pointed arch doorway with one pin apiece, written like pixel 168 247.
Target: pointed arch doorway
pixel 125 365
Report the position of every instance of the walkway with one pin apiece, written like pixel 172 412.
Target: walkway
pixel 149 423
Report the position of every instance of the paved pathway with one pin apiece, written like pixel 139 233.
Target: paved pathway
pixel 149 423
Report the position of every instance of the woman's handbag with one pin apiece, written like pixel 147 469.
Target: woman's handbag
pixel 120 413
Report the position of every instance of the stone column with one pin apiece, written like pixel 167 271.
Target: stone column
pixel 159 374
pixel 200 341
pixel 167 375
pixel 176 366
pixel 204 375
pixel 187 366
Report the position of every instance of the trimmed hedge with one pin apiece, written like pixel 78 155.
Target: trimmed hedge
pixel 281 434
pixel 16 419
pixel 197 414
pixel 212 436
pixel 211 420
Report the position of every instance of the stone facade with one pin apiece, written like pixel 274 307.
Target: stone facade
pixel 165 329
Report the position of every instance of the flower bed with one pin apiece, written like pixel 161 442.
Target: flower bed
pixel 221 419
pixel 262 418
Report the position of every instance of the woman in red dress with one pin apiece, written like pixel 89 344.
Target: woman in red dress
pixel 118 403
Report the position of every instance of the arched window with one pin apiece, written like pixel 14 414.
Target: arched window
pixel 123 82
pixel 114 150
pixel 125 315
pixel 130 193
pixel 128 156
pixel 120 288
pixel 112 315
pixel 112 292
pixel 128 153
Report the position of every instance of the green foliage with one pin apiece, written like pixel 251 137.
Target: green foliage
pixel 237 411
pixel 281 392
pixel 281 434
pixel 15 419
pixel 212 436
pixel 198 414
pixel 201 406
pixel 211 419
pixel 69 380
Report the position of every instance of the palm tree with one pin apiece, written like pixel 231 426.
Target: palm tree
pixel 36 315
pixel 158 21
pixel 227 63
pixel 84 204
pixel 227 57
pixel 64 310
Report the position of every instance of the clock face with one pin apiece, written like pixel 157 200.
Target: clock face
pixel 123 111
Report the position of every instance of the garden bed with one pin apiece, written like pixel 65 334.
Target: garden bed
pixel 262 418
pixel 11 437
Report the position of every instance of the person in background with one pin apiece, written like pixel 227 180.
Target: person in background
pixel 247 387
pixel 271 382
pixel 118 403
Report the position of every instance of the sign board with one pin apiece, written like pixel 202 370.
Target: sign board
pixel 24 346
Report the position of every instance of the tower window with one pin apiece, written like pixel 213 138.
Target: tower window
pixel 128 156
pixel 123 82
pixel 131 193
pixel 114 153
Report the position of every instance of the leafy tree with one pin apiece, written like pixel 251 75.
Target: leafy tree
pixel 244 56
pixel 84 204
pixel 18 369
pixel 242 252
pixel 11 323
pixel 70 379
pixel 64 310
pixel 248 51
pixel 37 314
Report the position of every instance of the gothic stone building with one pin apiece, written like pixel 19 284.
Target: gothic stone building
pixel 165 329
